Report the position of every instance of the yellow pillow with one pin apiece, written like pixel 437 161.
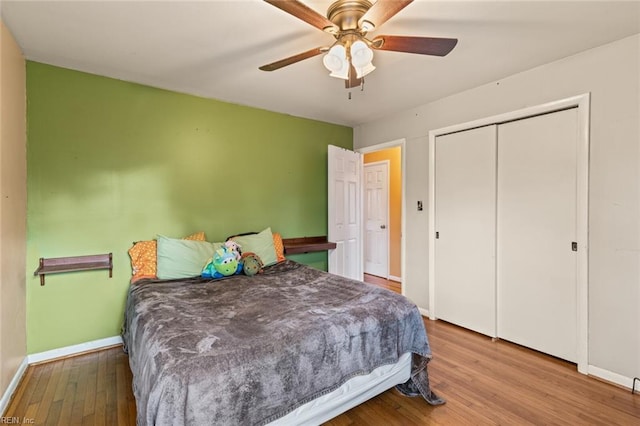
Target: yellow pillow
pixel 198 236
pixel 144 256
pixel 279 246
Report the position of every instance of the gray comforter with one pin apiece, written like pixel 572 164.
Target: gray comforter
pixel 247 350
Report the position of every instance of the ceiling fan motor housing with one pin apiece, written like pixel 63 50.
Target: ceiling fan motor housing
pixel 346 13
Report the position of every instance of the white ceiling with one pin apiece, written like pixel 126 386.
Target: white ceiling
pixel 213 48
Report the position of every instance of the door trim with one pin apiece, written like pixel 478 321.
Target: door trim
pixel 582 102
pixel 403 202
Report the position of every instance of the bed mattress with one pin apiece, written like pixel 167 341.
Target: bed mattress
pixel 354 392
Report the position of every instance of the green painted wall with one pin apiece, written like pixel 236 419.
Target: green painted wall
pixel 111 162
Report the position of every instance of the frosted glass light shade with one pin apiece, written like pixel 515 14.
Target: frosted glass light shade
pixel 361 56
pixel 336 62
pixel 361 72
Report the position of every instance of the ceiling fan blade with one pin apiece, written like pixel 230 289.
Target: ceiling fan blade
pixel 293 59
pixel 421 45
pixel 305 13
pixel 353 80
pixel 348 84
pixel 382 11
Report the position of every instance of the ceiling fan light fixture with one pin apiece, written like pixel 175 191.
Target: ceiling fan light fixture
pixel 361 55
pixel 361 72
pixel 336 62
pixel 343 74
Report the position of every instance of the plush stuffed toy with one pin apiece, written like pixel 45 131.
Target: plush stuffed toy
pixel 252 264
pixel 233 247
pixel 208 271
pixel 222 264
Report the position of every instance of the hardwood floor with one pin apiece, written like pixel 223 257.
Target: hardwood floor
pixel 90 389
pixel 484 382
pixel 381 282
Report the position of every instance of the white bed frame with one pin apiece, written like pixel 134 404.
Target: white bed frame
pixel 353 392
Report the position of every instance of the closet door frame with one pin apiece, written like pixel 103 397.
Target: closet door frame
pixel 582 102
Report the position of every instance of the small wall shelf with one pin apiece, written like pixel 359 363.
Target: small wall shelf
pixel 306 245
pixel 57 265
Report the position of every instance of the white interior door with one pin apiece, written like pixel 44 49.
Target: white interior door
pixel 465 194
pixel 376 218
pixel 345 213
pixel 536 272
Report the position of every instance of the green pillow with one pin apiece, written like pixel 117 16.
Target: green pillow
pixel 260 244
pixel 182 258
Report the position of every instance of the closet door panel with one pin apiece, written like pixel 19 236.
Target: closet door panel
pixel 465 185
pixel 536 223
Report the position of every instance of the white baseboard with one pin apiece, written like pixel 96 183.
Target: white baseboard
pixel 424 312
pixel 610 376
pixel 51 355
pixel 13 385
pixel 394 278
pixel 74 349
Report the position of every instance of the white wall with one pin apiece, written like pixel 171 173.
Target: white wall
pixel 13 209
pixel 611 73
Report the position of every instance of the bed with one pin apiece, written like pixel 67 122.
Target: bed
pixel 293 345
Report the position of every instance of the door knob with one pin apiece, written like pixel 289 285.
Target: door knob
pixel 383 227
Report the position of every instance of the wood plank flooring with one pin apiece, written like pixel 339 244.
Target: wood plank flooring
pixel 381 282
pixel 484 383
pixel 90 389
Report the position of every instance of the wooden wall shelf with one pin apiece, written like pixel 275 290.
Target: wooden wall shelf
pixel 307 245
pixel 57 265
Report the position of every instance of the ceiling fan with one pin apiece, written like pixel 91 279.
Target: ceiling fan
pixel 349 21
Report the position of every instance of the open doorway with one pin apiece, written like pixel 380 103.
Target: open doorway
pixel 383 189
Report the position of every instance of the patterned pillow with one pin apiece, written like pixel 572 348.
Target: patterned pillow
pixel 144 256
pixel 198 236
pixel 279 246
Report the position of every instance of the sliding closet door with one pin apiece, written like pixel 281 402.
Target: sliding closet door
pixel 465 186
pixel 536 267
